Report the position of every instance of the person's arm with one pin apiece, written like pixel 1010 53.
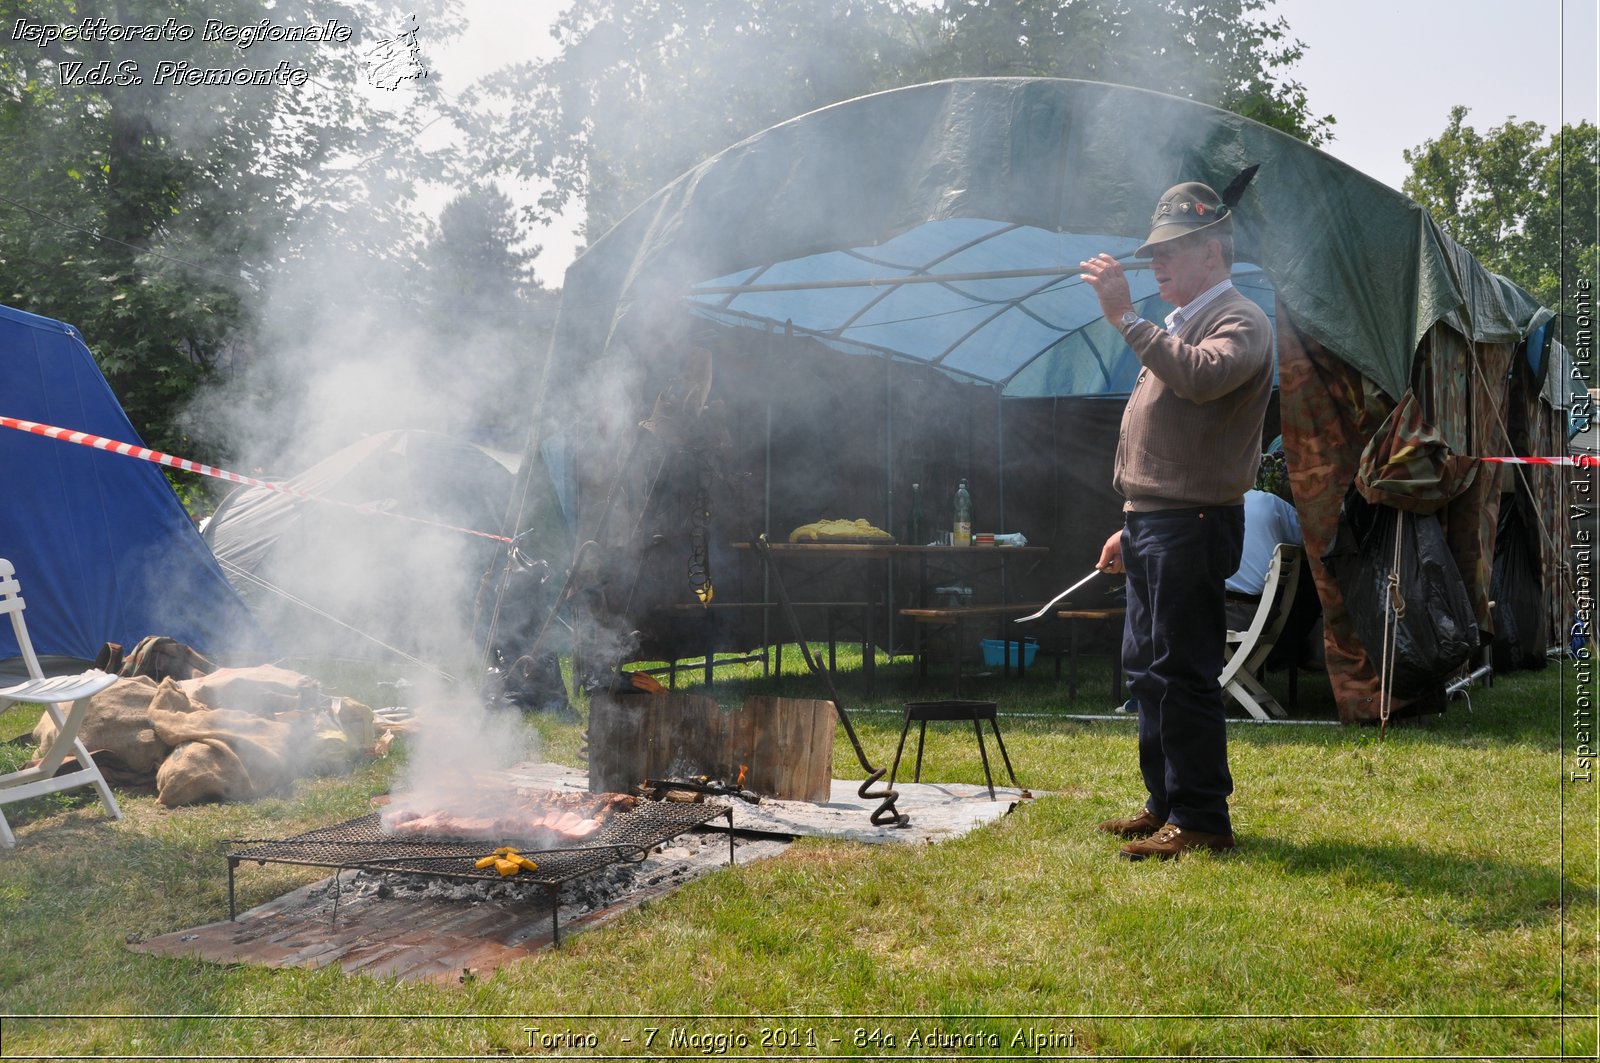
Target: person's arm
pixel 1289 522
pixel 1232 352
pixel 1230 355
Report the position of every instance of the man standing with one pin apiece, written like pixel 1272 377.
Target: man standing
pixel 1190 444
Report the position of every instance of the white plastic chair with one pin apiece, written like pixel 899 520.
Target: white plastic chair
pixel 1248 649
pixel 51 693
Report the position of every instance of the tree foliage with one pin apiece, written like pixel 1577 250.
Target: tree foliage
pixel 481 302
pixel 1524 205
pixel 1225 53
pixel 645 89
pixel 163 218
pixel 476 262
pixel 152 213
pixel 642 91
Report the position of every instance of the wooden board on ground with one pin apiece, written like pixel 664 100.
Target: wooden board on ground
pixel 409 939
pixel 441 939
pixel 786 743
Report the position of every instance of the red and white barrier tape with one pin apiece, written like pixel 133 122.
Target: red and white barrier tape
pixel 1575 459
pixel 146 454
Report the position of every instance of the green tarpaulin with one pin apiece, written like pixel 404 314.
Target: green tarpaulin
pixel 974 177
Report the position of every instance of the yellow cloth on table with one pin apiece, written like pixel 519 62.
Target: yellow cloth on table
pixel 824 530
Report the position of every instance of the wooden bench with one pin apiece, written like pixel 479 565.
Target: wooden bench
pixel 868 669
pixel 955 616
pixel 1073 617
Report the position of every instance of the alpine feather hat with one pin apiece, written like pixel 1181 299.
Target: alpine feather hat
pixel 1191 207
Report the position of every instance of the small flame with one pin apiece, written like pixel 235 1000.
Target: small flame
pixel 744 769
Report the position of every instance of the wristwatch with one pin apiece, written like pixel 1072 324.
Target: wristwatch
pixel 1128 320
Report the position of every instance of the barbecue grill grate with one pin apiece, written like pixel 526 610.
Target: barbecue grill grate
pixel 363 844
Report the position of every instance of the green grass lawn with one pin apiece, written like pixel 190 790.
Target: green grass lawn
pixel 1430 894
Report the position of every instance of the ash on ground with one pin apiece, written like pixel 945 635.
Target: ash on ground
pixel 670 864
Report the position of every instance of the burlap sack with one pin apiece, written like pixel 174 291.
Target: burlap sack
pixel 265 690
pixel 261 750
pixel 118 721
pixel 356 721
pixel 197 772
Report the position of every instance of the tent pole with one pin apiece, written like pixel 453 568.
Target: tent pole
pixel 766 522
pixel 1000 483
pixel 1127 262
pixel 888 484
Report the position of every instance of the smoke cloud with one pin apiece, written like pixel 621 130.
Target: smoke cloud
pixel 455 751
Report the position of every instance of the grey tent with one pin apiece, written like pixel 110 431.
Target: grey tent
pixel 327 569
pixel 884 292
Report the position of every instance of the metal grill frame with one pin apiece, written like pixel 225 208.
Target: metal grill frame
pixel 361 844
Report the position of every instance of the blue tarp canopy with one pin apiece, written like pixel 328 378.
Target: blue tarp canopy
pixel 946 294
pixel 103 549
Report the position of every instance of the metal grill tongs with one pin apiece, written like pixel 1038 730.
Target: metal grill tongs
pixel 1046 607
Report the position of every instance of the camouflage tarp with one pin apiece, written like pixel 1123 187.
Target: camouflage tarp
pixel 1419 455
pixel 1408 465
pixel 1329 412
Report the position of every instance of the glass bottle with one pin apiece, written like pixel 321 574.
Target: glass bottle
pixel 963 528
pixel 914 528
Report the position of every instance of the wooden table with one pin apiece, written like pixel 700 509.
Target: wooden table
pixel 878 559
pixel 954 616
pixel 1073 617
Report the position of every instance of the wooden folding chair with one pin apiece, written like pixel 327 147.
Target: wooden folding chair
pixel 51 693
pixel 1248 649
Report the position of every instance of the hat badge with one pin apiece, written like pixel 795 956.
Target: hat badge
pixel 1200 208
pixel 1184 207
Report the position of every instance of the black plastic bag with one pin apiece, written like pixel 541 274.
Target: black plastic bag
pixel 1438 631
pixel 1519 620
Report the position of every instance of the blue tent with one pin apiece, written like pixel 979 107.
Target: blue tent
pixel 103 548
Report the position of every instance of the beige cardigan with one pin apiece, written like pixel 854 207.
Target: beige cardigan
pixel 1191 433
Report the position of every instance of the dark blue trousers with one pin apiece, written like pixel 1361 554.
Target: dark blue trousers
pixel 1177 561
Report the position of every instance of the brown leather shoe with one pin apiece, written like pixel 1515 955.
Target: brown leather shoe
pixel 1141 826
pixel 1171 841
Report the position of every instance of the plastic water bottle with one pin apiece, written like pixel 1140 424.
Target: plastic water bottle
pixel 963 528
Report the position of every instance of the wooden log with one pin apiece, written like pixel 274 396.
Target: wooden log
pixel 786 743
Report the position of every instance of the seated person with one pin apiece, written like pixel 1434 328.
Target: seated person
pixel 1268 521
